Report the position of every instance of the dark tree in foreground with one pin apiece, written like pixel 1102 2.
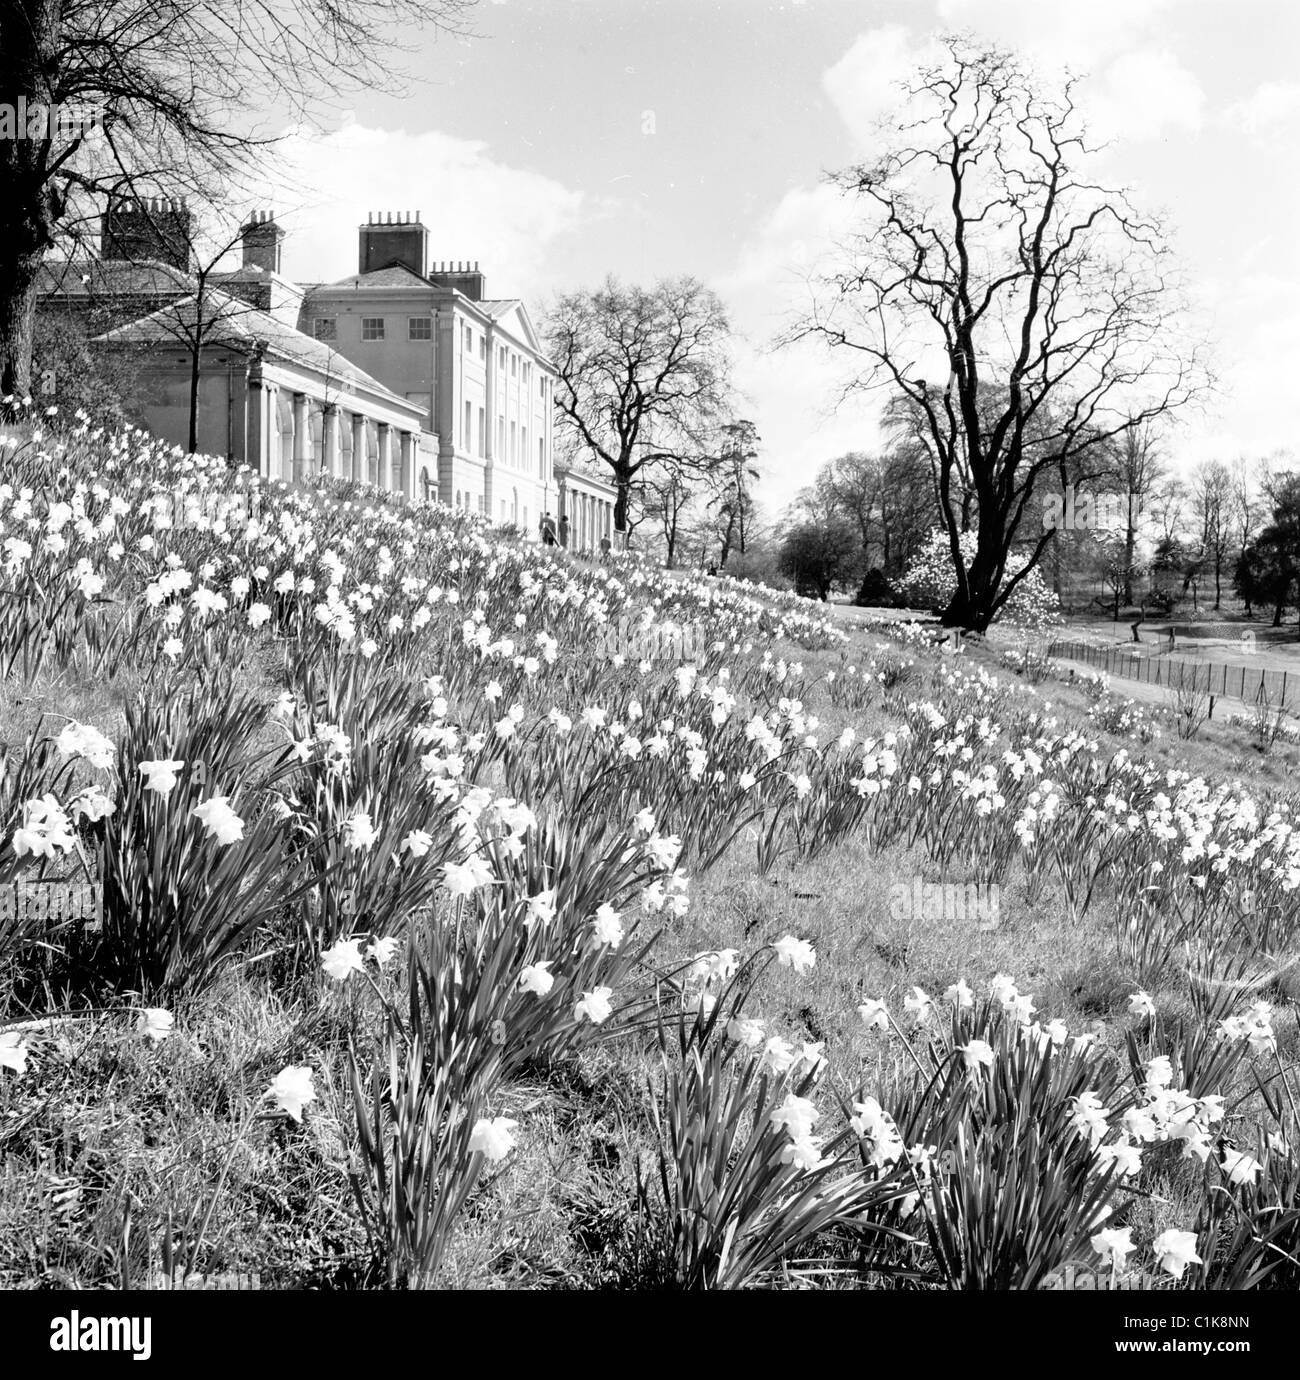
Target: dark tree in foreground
pixel 148 98
pixel 643 378
pixel 1047 297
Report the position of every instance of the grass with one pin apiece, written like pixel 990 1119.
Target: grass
pixel 125 1162
pixel 132 1156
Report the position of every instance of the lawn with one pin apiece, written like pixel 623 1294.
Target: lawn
pixel 439 949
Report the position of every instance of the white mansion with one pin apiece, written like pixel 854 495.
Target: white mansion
pixel 405 373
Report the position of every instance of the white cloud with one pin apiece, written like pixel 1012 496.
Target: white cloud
pixel 1268 107
pixel 1078 35
pixel 1142 95
pixel 791 243
pixel 864 84
pixel 475 207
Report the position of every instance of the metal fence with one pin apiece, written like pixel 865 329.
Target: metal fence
pixel 1231 681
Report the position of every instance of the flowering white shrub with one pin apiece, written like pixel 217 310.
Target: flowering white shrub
pixel 930 582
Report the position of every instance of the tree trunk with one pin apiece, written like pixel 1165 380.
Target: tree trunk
pixel 29 206
pixel 1277 616
pixel 18 272
pixel 1130 542
pixel 195 352
pixel 623 499
pixel 726 540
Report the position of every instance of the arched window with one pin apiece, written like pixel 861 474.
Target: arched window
pixel 457 498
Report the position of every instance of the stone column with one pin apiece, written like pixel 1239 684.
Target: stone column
pixel 384 465
pixel 330 438
pixel 255 423
pixel 271 424
pixel 358 446
pixel 301 438
pixel 408 465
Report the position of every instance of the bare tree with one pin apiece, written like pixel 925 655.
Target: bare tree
pixel 888 497
pixel 1171 499
pixel 156 88
pixel 733 479
pixel 643 377
pixel 668 498
pixel 985 241
pixel 1139 467
pixel 1212 498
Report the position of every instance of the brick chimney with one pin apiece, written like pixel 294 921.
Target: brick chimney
pixel 261 239
pixel 152 228
pixel 393 237
pixel 464 277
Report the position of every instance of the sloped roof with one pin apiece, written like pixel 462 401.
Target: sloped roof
pixel 111 277
pixel 395 275
pixel 497 307
pixel 235 325
pixel 254 273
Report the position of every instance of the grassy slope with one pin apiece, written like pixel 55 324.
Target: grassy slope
pixel 130 1137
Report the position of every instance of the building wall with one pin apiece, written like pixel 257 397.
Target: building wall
pixel 588 503
pixel 164 400
pixel 490 396
pixel 277 423
pixel 407 367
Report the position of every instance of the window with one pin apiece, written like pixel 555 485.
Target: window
pixel 523 446
pixel 482 431
pixel 541 457
pixel 420 328
pixel 541 386
pixel 327 328
pixel 372 328
pixel 501 359
pixel 503 510
pixel 458 498
pixel 527 373
pixel 482 504
pixel 465 435
pixel 469 341
pixel 501 438
pixel 513 452
pixel 514 366
pixel 482 348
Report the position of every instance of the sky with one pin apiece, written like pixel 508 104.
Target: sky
pixel 564 140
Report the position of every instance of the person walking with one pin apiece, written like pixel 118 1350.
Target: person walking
pixel 548 530
pixel 564 529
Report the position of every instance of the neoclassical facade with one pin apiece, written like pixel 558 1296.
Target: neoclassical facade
pixel 474 364
pixel 272 398
pixel 405 374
